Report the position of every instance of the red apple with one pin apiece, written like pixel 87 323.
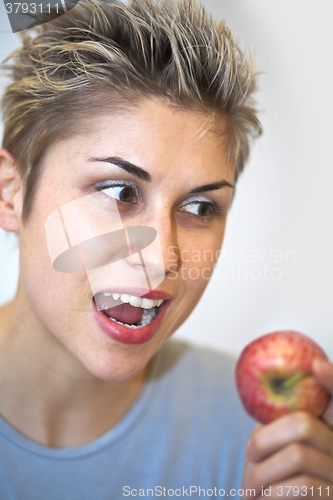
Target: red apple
pixel 273 376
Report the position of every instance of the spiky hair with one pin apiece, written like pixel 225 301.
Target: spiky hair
pixel 69 67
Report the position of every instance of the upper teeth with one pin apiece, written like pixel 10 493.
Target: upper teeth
pixel 135 301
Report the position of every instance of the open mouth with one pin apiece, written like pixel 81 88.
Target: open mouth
pixel 128 310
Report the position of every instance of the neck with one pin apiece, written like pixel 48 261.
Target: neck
pixel 46 393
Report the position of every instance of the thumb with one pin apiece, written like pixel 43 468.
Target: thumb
pixel 322 370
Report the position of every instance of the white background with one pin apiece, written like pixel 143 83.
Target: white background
pixel 284 197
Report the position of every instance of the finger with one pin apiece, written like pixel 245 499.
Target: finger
pixel 323 372
pixel 296 426
pixel 292 460
pixel 301 487
pixel 327 416
pixel 248 466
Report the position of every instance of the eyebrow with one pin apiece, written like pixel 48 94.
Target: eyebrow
pixel 126 165
pixel 211 187
pixel 145 176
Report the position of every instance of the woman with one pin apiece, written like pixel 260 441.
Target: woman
pixel 125 131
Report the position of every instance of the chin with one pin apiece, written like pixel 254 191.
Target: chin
pixel 115 367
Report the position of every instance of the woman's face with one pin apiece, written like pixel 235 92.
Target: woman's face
pixel 92 185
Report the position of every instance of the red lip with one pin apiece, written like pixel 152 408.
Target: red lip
pixel 126 335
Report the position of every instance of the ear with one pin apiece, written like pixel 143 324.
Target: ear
pixel 11 191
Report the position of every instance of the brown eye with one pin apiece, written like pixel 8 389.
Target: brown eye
pixel 126 194
pixel 204 209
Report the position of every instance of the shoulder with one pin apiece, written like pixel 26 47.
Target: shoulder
pixel 197 407
pixel 200 380
pixel 196 363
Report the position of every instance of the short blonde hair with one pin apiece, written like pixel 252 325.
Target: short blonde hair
pixel 106 52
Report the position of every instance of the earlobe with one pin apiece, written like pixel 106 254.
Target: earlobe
pixel 10 193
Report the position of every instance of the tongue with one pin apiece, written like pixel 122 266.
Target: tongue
pixel 125 313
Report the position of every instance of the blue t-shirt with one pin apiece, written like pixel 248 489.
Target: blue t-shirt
pixel 183 437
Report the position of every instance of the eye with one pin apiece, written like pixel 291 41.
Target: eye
pixel 203 210
pixel 123 193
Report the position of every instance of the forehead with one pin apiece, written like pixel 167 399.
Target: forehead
pixel 156 135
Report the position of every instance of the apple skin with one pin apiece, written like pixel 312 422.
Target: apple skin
pixel 266 363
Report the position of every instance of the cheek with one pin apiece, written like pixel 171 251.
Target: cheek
pixel 40 282
pixel 199 259
pixel 49 292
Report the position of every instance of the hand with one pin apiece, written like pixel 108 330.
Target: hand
pixel 293 453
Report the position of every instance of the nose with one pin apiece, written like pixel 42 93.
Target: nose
pixel 160 257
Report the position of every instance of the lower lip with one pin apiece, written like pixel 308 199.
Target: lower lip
pixel 126 335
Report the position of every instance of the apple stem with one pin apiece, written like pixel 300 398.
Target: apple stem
pixel 295 379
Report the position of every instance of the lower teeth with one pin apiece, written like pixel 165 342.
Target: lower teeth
pixel 147 317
